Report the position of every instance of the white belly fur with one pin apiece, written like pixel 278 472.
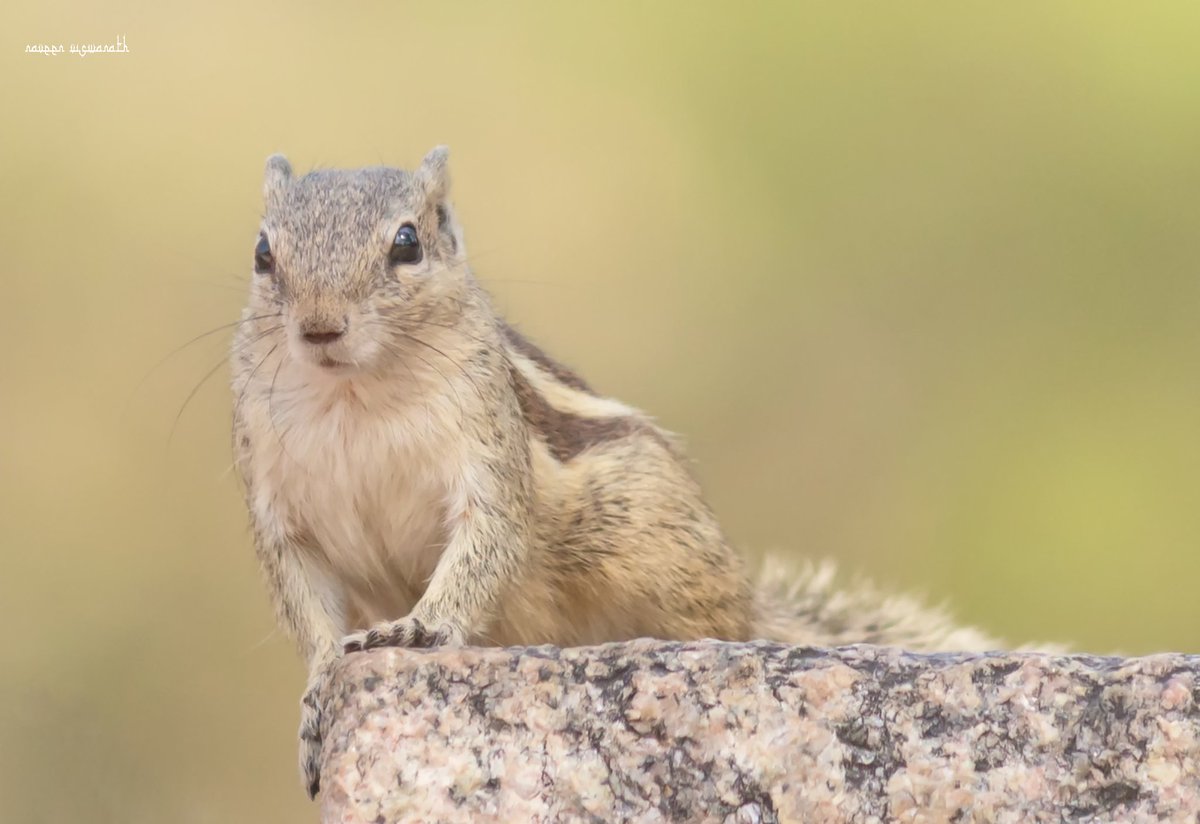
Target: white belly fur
pixel 365 477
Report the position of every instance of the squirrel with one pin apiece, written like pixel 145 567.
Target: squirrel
pixel 419 473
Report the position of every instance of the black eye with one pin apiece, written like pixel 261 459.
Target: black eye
pixel 406 246
pixel 264 261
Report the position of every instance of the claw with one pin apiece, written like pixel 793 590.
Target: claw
pixel 311 711
pixel 407 632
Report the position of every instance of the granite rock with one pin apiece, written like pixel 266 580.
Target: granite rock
pixel 759 732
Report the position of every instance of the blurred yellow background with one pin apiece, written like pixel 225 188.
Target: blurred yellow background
pixel 918 284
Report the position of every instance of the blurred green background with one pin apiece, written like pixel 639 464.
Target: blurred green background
pixel 918 284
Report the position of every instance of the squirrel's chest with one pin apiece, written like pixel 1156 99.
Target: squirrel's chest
pixel 366 493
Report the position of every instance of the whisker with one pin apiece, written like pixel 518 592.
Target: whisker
pixel 227 471
pixel 224 360
pixel 261 643
pixel 401 357
pixel 217 329
pixel 271 412
pixel 456 364
pixel 250 378
pixel 133 392
pixel 426 322
pixel 188 399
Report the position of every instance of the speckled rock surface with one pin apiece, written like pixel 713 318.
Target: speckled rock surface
pixel 653 731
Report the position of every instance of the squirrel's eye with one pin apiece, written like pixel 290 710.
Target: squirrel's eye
pixel 406 246
pixel 264 261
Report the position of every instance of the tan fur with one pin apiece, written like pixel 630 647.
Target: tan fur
pixel 433 477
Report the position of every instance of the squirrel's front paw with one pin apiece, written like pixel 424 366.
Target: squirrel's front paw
pixel 312 715
pixel 407 632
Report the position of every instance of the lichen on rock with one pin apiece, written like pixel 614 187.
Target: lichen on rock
pixel 759 732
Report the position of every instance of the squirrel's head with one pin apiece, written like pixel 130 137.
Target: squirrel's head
pixel 348 259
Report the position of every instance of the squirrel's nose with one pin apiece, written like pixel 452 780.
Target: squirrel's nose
pixel 322 333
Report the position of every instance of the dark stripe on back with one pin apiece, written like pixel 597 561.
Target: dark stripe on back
pixel 568 435
pixel 530 350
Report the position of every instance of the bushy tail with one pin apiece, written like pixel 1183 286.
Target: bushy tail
pixel 799 604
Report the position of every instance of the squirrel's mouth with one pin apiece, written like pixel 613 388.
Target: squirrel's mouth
pixel 331 357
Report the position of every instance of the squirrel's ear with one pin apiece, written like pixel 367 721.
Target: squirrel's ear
pixel 276 178
pixel 433 175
